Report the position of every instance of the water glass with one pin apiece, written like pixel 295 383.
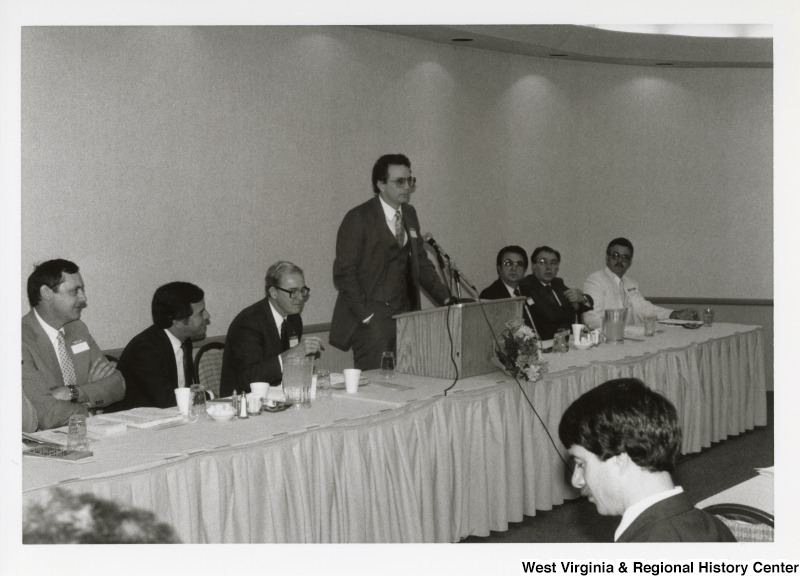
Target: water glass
pixel 297 381
pixel 253 404
pixel 560 341
pixel 387 365
pixel 708 317
pixel 324 390
pixel 76 438
pixel 197 402
pixel 650 326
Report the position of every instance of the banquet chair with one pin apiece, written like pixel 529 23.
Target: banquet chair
pixel 747 524
pixel 208 366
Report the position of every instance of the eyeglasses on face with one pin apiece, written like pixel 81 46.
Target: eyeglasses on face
pixel 616 256
pixel 507 263
pixel 404 182
pixel 296 292
pixel 545 262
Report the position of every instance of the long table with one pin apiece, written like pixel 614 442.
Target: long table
pixel 410 464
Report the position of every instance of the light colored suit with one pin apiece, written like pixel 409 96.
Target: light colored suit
pixel 41 372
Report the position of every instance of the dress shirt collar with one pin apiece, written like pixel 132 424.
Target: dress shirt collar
pixel 389 211
pixel 277 316
pixel 633 512
pixel 509 288
pixel 616 278
pixel 176 344
pixel 51 332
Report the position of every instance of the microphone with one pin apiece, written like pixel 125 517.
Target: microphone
pixel 428 237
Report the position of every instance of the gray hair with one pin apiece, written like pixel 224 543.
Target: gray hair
pixel 278 270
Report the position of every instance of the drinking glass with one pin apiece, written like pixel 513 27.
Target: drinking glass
pixel 387 365
pixel 197 402
pixel 708 317
pixel 324 390
pixel 650 326
pixel 76 438
pixel 297 381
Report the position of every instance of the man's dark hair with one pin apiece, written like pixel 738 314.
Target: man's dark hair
pixel 539 249
pixel 174 301
pixel 51 274
pixel 626 416
pixel 619 242
pixel 380 172
pixel 514 250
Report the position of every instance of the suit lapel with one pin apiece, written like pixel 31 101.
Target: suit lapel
pixel 165 345
pixel 44 347
pixel 270 328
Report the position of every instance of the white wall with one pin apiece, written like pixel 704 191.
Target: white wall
pixel 205 154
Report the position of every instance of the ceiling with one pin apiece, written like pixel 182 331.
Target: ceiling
pixel 588 44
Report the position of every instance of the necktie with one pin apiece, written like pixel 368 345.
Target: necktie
pixel 188 368
pixel 552 295
pixel 399 233
pixel 65 361
pixel 284 336
pixel 516 292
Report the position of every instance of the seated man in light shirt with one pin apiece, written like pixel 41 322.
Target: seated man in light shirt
pixel 610 289
pixel 624 440
pixel 63 370
pixel 158 360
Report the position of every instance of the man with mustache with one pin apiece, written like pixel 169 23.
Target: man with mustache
pixel 63 370
pixel 610 290
pixel 624 440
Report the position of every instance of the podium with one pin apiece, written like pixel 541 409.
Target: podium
pixel 423 343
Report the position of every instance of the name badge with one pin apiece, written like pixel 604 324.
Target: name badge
pixel 529 301
pixel 412 232
pixel 79 347
pixel 293 341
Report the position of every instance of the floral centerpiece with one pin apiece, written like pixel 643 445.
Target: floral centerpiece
pixel 518 352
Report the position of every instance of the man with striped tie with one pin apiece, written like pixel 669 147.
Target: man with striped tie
pixel 610 289
pixel 63 370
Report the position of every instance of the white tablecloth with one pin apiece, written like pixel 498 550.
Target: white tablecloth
pixel 410 465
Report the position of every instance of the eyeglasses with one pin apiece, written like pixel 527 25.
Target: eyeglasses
pixel 513 263
pixel 296 292
pixel 403 182
pixel 623 257
pixel 544 262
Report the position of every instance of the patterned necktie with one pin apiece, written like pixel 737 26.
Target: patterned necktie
pixel 284 336
pixel 399 233
pixel 65 361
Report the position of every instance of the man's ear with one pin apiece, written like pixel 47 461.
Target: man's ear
pixel 272 292
pixel 45 292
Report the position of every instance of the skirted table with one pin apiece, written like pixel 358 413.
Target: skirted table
pixel 402 462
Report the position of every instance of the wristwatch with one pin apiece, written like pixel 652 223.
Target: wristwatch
pixel 73 393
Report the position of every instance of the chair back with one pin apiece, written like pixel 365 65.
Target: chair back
pixel 208 366
pixel 746 523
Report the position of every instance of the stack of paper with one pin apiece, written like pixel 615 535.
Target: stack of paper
pixel 145 417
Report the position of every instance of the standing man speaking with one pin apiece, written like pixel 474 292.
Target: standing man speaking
pixel 380 265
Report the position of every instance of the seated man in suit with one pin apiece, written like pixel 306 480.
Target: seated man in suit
pixel 611 289
pixel 63 370
pixel 624 439
pixel 554 305
pixel 159 359
pixel 512 263
pixel 265 334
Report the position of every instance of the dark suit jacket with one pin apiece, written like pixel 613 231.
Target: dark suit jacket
pixel 41 373
pixel 497 290
pixel 676 520
pixel 252 347
pixel 549 317
pixel 363 247
pixel 151 374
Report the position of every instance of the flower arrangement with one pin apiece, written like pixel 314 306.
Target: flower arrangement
pixel 519 354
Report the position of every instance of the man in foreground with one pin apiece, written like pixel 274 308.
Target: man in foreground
pixel 554 305
pixel 159 359
pixel 380 266
pixel 610 289
pixel 63 370
pixel 266 334
pixel 624 440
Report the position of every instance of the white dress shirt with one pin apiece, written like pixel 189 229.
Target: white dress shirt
pixel 607 289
